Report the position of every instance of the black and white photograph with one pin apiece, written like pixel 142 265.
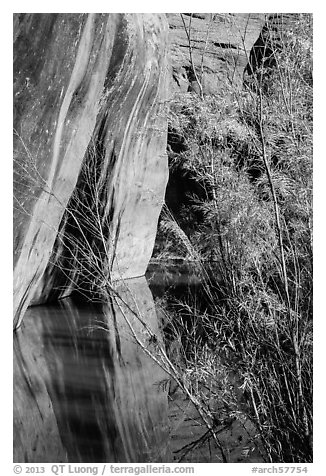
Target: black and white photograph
pixel 162 241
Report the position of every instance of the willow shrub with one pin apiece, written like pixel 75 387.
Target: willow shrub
pixel 252 151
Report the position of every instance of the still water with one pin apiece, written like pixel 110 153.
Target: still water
pixel 84 391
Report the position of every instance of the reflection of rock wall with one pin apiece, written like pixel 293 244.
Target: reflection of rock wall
pixel 83 390
pixel 36 434
pixel 82 80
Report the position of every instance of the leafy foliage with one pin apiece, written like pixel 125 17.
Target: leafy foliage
pixel 252 150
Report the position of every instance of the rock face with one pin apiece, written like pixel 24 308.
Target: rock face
pixel 220 43
pixel 89 111
pixel 270 41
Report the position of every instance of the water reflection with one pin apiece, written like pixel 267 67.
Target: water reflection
pixel 178 278
pixel 84 391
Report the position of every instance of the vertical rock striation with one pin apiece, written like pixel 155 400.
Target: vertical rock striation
pixel 85 83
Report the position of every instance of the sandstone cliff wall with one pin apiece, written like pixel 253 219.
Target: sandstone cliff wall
pixel 220 47
pixel 89 101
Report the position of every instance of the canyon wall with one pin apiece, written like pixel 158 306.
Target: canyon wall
pixel 89 137
pixel 220 44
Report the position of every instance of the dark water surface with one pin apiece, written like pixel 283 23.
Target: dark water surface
pixel 190 442
pixel 84 391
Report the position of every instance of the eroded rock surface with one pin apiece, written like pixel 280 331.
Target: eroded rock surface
pixel 86 82
pixel 220 44
pixel 271 41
